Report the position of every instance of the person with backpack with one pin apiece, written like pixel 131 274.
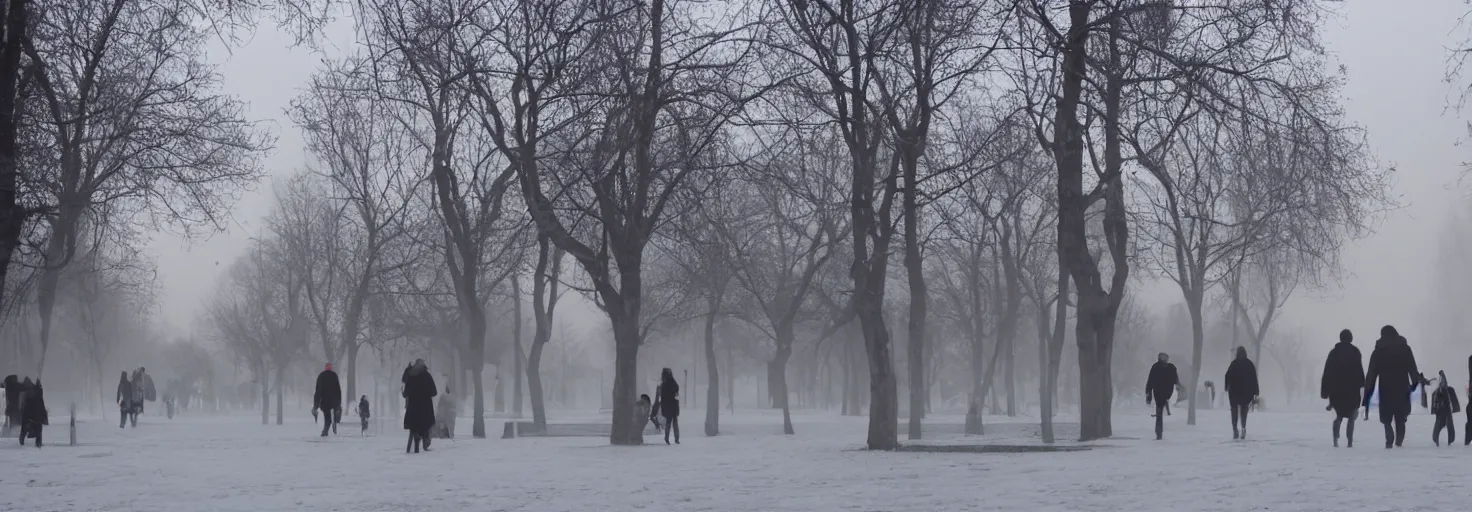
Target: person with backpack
pixel 1159 386
pixel 1241 387
pixel 1444 405
pixel 1344 376
pixel 1393 367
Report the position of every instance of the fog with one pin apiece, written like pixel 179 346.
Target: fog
pixel 367 192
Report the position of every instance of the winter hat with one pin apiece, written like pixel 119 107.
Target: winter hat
pixel 1442 373
pixel 329 367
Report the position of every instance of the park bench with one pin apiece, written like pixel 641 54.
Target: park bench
pixel 515 429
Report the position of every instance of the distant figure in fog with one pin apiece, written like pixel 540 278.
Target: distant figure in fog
pixel 667 403
pixel 12 404
pixel 1344 376
pixel 363 413
pixel 125 402
pixel 1393 367
pixel 1444 405
pixel 1159 386
pixel 1241 387
pixel 419 393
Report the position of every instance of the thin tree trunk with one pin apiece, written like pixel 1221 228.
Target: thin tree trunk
pixel 713 380
pixel 516 342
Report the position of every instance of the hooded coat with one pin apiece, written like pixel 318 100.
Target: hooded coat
pixel 328 395
pixel 1241 380
pixel 1444 399
pixel 419 393
pixel 1393 368
pixel 125 391
pixel 1344 376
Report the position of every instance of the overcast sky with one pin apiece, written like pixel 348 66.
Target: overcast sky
pixel 1396 60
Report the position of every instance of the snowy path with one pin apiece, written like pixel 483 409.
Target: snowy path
pixel 235 464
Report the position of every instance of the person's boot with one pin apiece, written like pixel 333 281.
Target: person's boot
pixel 38 439
pixel 409 443
pixel 1235 434
pixel 426 441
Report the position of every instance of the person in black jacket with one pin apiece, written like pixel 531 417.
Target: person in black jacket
pixel 33 414
pixel 1467 438
pixel 363 413
pixel 1393 367
pixel 667 404
pixel 1241 387
pixel 328 399
pixel 1344 376
pixel 12 403
pixel 1159 386
pixel 125 401
pixel 419 393
pixel 1444 405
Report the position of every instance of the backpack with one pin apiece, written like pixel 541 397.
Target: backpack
pixel 1441 402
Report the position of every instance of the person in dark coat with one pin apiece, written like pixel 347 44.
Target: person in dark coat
pixel 419 393
pixel 1467 437
pixel 667 402
pixel 1159 386
pixel 33 414
pixel 1444 405
pixel 125 401
pixel 1241 387
pixel 12 403
pixel 1393 368
pixel 328 399
pixel 363 413
pixel 1344 376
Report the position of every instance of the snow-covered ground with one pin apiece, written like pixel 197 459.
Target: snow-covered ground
pixel 193 464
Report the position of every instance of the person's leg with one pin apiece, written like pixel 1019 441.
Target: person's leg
pixel 1452 430
pixel 1436 429
pixel 1245 408
pixel 1159 419
pixel 1387 418
pixel 1400 428
pixel 38 428
pixel 1349 429
pixel 1337 421
pixel 410 443
pixel 1234 409
pixel 676 421
pixel 122 417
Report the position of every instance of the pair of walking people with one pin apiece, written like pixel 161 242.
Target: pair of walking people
pixel 1348 386
pixel 1240 385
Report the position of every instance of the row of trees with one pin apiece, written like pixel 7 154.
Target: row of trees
pixel 749 163
pixel 1022 157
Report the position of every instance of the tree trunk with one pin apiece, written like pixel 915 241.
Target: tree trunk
pixel 352 367
pixel 883 389
pixel 534 385
pixel 919 294
pixel 500 389
pixel 516 344
pixel 625 381
pixel 12 214
pixel 1010 377
pixel 265 399
pixel 713 379
pixel 1053 354
pixel 777 369
pixel 1193 305
pixel 1094 334
pixel 280 376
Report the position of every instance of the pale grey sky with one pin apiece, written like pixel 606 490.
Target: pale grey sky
pixel 1396 60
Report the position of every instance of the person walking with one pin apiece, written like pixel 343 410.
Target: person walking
pixel 1241 387
pixel 419 393
pixel 328 399
pixel 667 402
pixel 363 413
pixel 12 404
pixel 125 401
pixel 1444 405
pixel 1159 386
pixel 1393 368
pixel 33 412
pixel 1344 377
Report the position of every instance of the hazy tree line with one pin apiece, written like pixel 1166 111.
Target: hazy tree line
pixel 738 175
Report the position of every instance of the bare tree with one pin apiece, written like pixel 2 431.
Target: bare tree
pixel 135 116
